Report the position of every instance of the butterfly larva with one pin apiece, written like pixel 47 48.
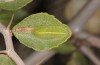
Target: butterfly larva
pixel 51 31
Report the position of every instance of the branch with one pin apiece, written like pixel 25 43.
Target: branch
pixel 91 39
pixel 78 23
pixel 94 41
pixel 9 45
pixel 2 28
pixel 90 55
pixel 37 58
pixel 3 52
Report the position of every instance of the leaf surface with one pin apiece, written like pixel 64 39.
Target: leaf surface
pixel 77 59
pixel 13 4
pixel 65 48
pixel 5 60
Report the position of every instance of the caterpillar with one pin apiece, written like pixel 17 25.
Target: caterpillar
pixel 50 31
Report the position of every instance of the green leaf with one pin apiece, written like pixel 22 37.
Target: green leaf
pixel 77 59
pixel 13 4
pixel 41 32
pixel 65 48
pixel 5 16
pixel 5 60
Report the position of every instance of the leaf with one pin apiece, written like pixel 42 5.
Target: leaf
pixel 77 59
pixel 65 48
pixel 5 60
pixel 13 4
pixel 41 32
pixel 5 16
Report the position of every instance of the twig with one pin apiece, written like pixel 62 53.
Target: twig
pixel 9 45
pixel 78 23
pixel 85 50
pixel 37 58
pixel 3 52
pixel 94 41
pixel 2 28
pixel 91 39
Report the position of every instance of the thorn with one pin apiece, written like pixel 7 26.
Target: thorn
pixel 11 20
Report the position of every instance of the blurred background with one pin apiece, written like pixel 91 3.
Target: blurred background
pixel 83 17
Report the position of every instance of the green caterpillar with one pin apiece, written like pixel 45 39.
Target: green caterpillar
pixel 50 32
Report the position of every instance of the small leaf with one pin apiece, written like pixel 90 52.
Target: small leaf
pixel 77 59
pixel 5 60
pixel 41 32
pixel 5 16
pixel 65 48
pixel 13 4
